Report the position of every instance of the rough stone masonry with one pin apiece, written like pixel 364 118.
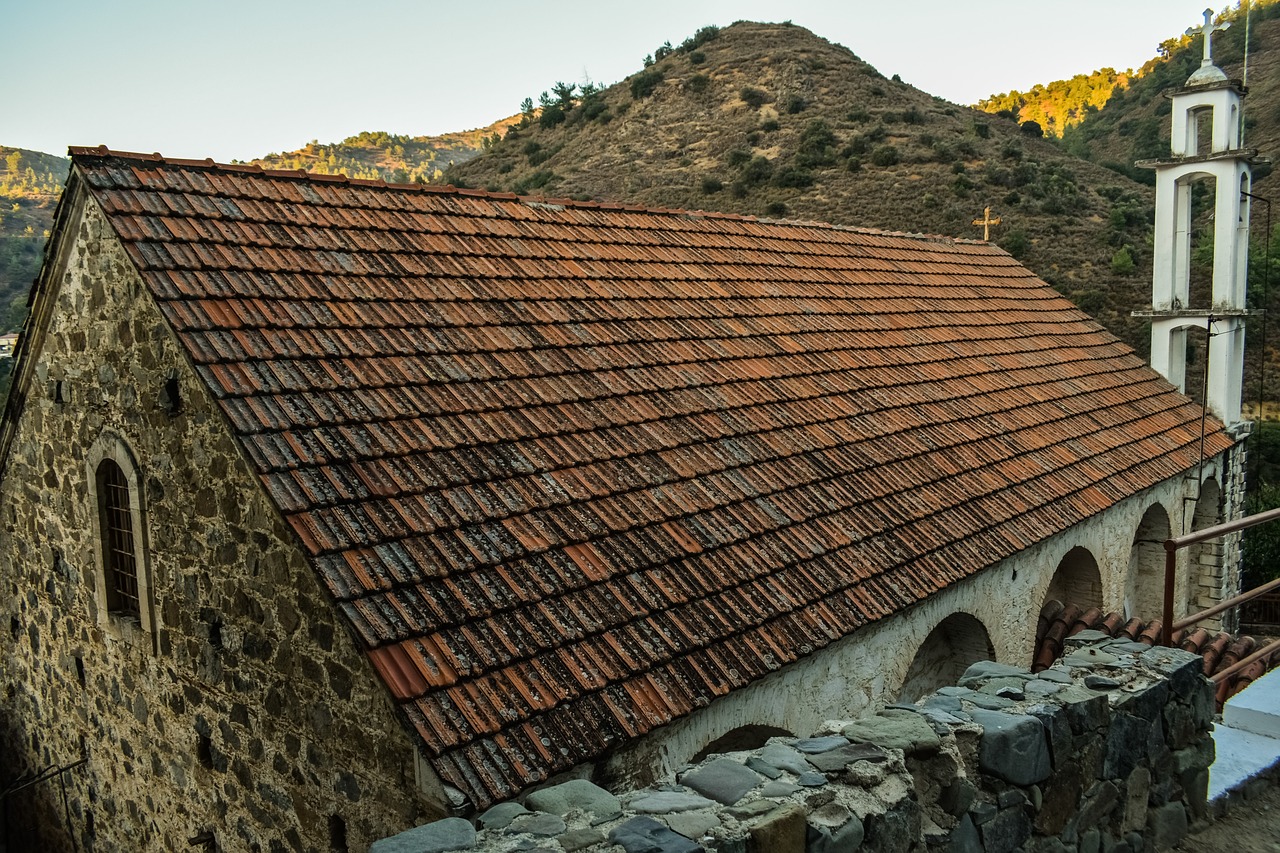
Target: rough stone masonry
pixel 1106 752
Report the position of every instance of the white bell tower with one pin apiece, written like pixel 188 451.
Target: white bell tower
pixel 1208 101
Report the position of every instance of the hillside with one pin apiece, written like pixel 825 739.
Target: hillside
pixel 388 157
pixel 772 120
pixel 30 183
pixel 1134 124
pixel 1058 105
pixel 1089 109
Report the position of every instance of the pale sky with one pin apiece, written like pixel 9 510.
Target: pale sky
pixel 238 79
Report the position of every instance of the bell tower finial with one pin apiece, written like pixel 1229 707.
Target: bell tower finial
pixel 1207 30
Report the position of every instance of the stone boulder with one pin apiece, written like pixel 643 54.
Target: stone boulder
pixel 723 780
pixel 646 835
pixel 574 794
pixel 893 729
pixel 1013 747
pixel 452 833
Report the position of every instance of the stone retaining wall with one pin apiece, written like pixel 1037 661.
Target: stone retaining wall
pixel 1107 752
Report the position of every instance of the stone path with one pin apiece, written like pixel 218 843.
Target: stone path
pixel 1251 826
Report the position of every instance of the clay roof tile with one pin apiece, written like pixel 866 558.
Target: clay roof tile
pixel 609 461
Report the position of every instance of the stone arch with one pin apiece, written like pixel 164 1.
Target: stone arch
pixel 956 642
pixel 752 736
pixel 1205 560
pixel 1200 129
pixel 1077 580
pixel 1144 584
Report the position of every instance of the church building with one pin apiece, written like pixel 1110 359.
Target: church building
pixel 329 506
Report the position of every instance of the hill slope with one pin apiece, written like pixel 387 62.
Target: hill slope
pixel 30 183
pixel 772 120
pixel 383 156
pixel 1134 124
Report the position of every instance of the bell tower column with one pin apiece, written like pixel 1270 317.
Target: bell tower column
pixel 1205 144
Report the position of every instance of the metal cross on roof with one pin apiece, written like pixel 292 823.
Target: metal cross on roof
pixel 1207 30
pixel 986 222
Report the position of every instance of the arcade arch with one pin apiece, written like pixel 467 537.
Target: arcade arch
pixel 1077 580
pixel 956 642
pixel 1205 562
pixel 1144 585
pixel 746 737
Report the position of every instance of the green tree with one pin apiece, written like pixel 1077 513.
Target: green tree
pixel 754 98
pixel 643 84
pixel 563 93
pixel 1122 261
pixel 885 155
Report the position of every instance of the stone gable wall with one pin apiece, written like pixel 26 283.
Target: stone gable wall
pixel 251 714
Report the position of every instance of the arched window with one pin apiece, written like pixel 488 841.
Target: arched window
pixel 122 583
pixel 119 559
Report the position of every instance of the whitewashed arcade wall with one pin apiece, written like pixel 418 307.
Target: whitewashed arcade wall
pixel 867 669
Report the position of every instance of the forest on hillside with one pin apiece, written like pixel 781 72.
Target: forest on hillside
pixel 30 183
pixel 1060 106
pixel 396 158
pixel 1055 106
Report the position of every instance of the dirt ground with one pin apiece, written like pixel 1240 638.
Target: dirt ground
pixel 1250 826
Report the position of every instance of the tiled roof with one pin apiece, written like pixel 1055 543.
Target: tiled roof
pixel 575 470
pixel 1220 650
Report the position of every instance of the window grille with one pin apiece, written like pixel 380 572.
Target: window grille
pixel 118 557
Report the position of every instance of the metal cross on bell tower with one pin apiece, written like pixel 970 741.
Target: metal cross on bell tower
pixel 1207 29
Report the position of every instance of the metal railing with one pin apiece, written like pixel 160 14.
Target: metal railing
pixel 1171 549
pixel 1263 613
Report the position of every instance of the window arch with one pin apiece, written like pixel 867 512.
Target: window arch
pixel 119 557
pixel 122 583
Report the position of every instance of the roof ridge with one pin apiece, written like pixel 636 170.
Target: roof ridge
pixel 543 202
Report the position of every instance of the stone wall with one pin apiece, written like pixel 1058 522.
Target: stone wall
pixel 249 714
pixel 1107 751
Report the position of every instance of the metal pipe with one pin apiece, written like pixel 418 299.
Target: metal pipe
pixel 1177 543
pixel 1225 605
pixel 1220 677
pixel 42 776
